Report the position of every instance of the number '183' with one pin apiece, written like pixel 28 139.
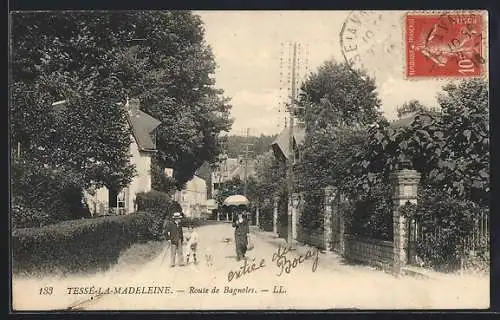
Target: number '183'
pixel 46 290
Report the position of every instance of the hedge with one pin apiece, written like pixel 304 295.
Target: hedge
pixel 448 223
pixel 42 196
pixel 78 245
pixel 160 206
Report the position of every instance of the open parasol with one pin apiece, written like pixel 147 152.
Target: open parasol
pixel 236 200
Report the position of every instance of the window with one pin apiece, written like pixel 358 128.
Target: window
pixel 153 137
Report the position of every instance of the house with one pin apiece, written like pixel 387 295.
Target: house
pixel 142 147
pixel 281 145
pixel 193 197
pixel 230 168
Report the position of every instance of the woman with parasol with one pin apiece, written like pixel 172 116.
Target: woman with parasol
pixel 240 224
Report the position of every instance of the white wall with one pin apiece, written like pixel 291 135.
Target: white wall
pixel 141 182
pixel 193 195
pixel 98 203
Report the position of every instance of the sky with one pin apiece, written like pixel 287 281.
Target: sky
pixel 247 49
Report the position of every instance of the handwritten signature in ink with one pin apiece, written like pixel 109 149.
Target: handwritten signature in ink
pixel 286 264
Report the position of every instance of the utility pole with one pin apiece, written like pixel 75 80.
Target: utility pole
pixel 245 190
pixel 220 160
pixel 291 155
pixel 294 67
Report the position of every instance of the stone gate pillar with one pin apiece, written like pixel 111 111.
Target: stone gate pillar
pixel 328 217
pixel 341 199
pixel 405 186
pixel 295 214
pixel 298 214
pixel 257 217
pixel 275 214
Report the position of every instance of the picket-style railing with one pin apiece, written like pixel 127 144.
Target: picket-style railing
pixel 478 238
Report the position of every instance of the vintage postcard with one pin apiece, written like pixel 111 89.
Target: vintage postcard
pixel 249 160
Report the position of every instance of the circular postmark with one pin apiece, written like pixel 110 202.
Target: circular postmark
pixel 372 40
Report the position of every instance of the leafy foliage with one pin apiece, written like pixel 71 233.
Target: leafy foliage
pixel 93 61
pixel 337 94
pixel 371 216
pixel 42 195
pixel 266 215
pixel 449 149
pixel 445 224
pixel 269 180
pixel 159 180
pixel 228 188
pixel 349 145
pixel 160 206
pixel 57 248
pixel 312 216
pixel 337 103
pixel 173 77
pixel 69 57
pixel 260 144
pixel 410 107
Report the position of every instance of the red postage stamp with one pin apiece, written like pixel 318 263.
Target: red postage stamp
pixel 444 45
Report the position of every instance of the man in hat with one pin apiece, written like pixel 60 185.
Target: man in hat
pixel 176 238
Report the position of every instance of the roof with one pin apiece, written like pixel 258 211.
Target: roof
pixel 203 171
pixel 407 120
pixel 142 125
pixel 282 141
pixel 232 164
pixel 239 170
pixel 403 122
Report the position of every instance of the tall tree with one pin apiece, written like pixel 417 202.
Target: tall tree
pixel 337 101
pixel 269 178
pixel 93 60
pixel 450 149
pixel 173 68
pixel 70 57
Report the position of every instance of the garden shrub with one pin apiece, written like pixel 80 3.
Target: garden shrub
pixel 42 196
pixel 82 245
pixel 371 216
pixel 313 208
pixel 266 216
pixel 160 206
pixel 446 222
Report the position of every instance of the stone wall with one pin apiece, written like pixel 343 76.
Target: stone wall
pixel 370 251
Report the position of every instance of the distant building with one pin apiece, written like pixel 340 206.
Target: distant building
pixel 229 169
pixel 142 147
pixel 193 198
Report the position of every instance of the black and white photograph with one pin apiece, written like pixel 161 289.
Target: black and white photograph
pixel 174 160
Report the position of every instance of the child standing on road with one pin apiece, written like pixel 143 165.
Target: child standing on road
pixel 192 243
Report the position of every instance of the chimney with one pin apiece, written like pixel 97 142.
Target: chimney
pixel 132 107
